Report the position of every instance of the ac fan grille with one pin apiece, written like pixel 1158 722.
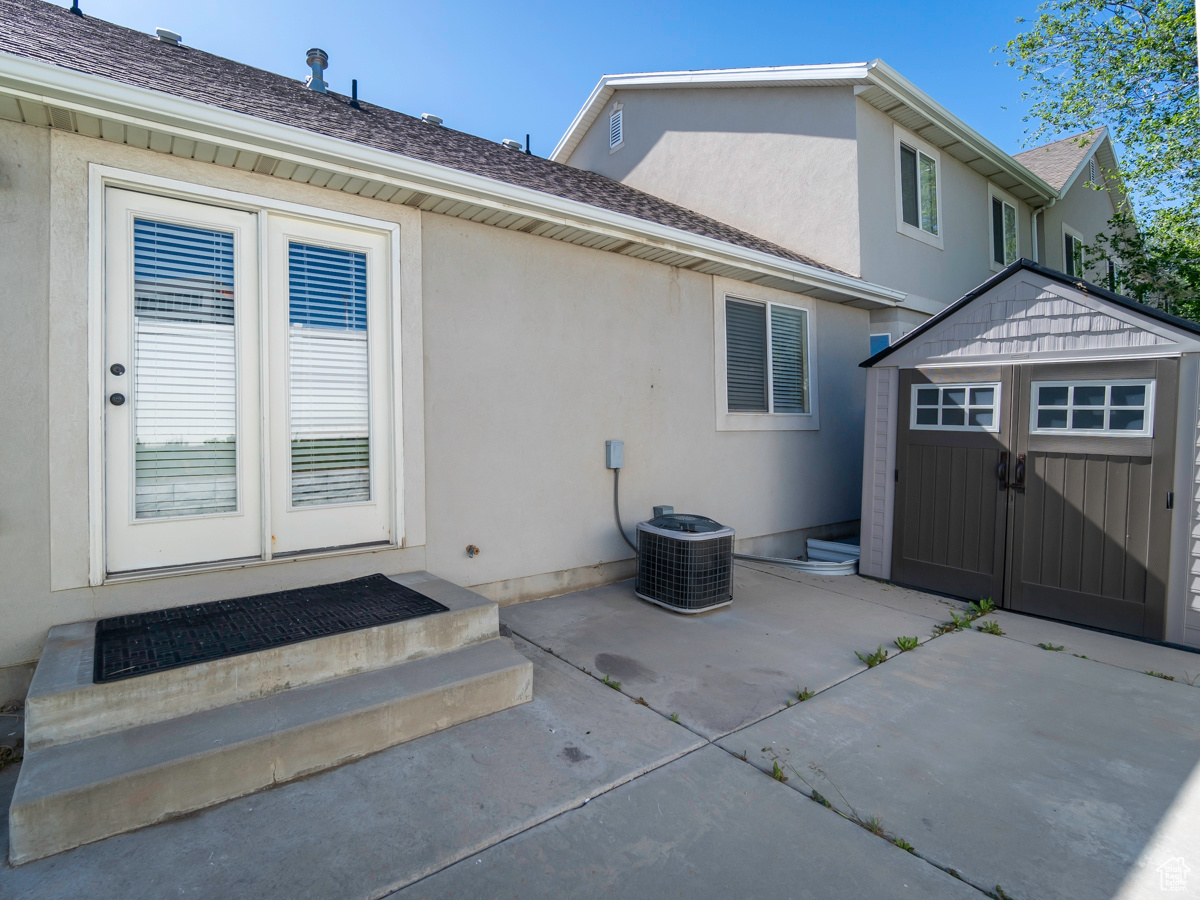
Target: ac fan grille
pixel 685 574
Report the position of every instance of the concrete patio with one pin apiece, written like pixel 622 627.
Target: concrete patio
pixel 1047 772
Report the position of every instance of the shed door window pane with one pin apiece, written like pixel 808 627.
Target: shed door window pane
pixel 185 372
pixel 329 397
pixel 746 352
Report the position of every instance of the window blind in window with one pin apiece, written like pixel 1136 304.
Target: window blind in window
pixel 908 186
pixel 746 355
pixel 185 371
pixel 788 360
pixel 329 401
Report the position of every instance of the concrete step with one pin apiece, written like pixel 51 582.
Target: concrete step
pixel 64 705
pixel 76 793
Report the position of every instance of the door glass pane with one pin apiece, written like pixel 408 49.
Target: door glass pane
pixel 329 382
pixel 1089 395
pixel 1052 418
pixel 787 360
pixel 1129 395
pixel 1087 418
pixel 1053 396
pixel 983 396
pixel 184 372
pixel 928 416
pixel 954 397
pixel 953 416
pixel 1127 419
pixel 981 418
pixel 927 397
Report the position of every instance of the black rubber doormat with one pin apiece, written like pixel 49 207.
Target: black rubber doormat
pixel 169 638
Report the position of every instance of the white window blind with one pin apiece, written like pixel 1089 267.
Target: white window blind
pixel 615 132
pixel 328 370
pixel 758 380
pixel 185 372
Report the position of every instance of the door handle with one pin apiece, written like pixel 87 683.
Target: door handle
pixel 1002 470
pixel 1019 473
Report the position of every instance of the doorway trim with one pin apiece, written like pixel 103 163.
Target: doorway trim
pixel 407 421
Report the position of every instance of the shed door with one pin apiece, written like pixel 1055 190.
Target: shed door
pixel 952 453
pixel 1091 520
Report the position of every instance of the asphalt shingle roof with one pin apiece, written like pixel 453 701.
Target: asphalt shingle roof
pixel 42 31
pixel 1056 162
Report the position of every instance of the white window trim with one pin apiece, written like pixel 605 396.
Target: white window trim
pixel 997 407
pixel 761 421
pixel 1147 422
pixel 995 193
pixel 616 108
pixel 901 136
pixel 1062 245
pixel 401 338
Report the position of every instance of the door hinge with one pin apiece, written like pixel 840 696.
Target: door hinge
pixel 1170 499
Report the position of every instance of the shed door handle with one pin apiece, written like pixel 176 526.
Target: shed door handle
pixel 1019 472
pixel 1002 470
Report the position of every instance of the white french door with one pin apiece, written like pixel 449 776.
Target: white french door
pixel 240 426
pixel 330 414
pixel 181 383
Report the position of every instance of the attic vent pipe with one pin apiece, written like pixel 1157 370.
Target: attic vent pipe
pixel 319 60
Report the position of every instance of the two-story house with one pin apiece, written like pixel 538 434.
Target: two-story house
pixel 854 166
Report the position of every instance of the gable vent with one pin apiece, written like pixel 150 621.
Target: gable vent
pixel 616 134
pixel 1092 171
pixel 61 118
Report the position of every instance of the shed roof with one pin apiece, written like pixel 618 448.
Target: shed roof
pixel 1141 309
pixel 50 34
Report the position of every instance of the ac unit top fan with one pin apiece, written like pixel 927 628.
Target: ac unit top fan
pixel 685 563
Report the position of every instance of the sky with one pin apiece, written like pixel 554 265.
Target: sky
pixel 504 69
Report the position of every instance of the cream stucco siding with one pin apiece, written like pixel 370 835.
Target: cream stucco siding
pixel 520 356
pixel 1083 209
pixel 779 163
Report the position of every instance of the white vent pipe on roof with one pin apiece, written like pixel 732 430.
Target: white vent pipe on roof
pixel 319 61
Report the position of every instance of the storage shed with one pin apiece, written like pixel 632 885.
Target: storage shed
pixel 1037 443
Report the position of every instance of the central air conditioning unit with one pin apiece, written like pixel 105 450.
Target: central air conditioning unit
pixel 685 563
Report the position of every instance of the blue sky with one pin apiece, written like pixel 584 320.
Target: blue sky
pixel 502 69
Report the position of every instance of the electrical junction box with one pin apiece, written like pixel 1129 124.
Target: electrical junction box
pixel 614 454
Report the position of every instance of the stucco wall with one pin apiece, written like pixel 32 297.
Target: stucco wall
pixel 532 353
pixel 902 262
pixel 778 162
pixel 1085 209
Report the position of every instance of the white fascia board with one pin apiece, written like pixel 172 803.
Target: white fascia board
pixel 851 73
pixel 887 78
pixel 102 97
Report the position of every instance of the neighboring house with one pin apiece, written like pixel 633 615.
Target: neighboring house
pixel 258 336
pixel 853 166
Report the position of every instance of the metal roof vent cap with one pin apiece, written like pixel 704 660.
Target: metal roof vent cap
pixel 167 36
pixel 319 60
pixel 431 118
pixel 512 145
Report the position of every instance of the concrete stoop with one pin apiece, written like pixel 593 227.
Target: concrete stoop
pixel 105 759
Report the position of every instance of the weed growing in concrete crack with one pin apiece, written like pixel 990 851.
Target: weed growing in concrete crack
pixel 904 845
pixel 990 627
pixel 641 701
pixel 788 705
pixel 802 695
pixel 1079 655
pixel 984 607
pixel 675 718
pixel 14 754
pixel 615 685
pixel 1161 675
pixel 1054 647
pixel 1001 894
pixel 874 825
pixel 777 772
pixel 871 660
pixel 907 643
pixel 816 795
pixel 744 756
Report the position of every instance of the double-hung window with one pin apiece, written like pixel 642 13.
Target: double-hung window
pixel 1003 227
pixel 917 185
pixel 1072 252
pixel 766 357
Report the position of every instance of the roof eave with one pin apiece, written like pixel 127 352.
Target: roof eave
pixel 32 81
